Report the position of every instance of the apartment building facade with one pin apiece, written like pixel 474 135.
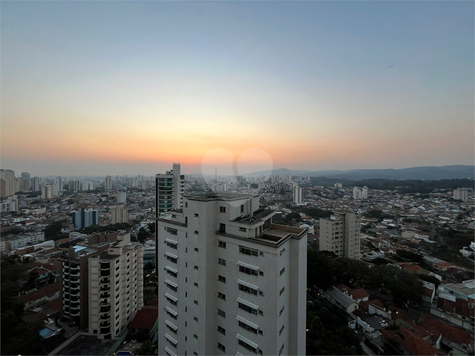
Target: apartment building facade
pixel 230 281
pixel 102 284
pixel 169 190
pixel 341 234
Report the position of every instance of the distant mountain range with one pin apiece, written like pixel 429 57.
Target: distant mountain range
pixel 426 173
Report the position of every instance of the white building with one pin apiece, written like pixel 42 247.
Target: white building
pixel 360 193
pixel 461 194
pixel 297 195
pixel 26 239
pixel 169 190
pixel 47 191
pixel 102 284
pixel 341 234
pixel 7 182
pixel 108 183
pixel 115 288
pixel 119 214
pixel 230 281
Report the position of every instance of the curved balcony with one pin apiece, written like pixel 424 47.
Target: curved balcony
pixel 74 286
pixel 104 309
pixel 105 330
pixel 104 317
pixel 75 306
pixel 74 294
pixel 105 295
pixel 75 313
pixel 66 277
pixel 104 265
pixel 105 273
pixel 66 297
pixel 105 324
pixel 105 280
pixel 74 275
pixel 104 288
pixel 75 267
pixel 65 271
pixel 65 312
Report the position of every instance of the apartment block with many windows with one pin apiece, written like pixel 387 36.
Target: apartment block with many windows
pixel 230 281
pixel 341 234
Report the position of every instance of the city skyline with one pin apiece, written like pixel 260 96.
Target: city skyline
pixel 315 85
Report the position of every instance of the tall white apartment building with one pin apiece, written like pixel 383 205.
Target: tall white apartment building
pixel 115 288
pixel 297 195
pixel 7 182
pixel 47 191
pixel 102 284
pixel 230 281
pixel 169 190
pixel 108 183
pixel 360 193
pixel 119 214
pixel 460 194
pixel 341 234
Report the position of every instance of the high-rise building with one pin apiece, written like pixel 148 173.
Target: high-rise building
pixel 85 218
pixel 108 183
pixel 102 284
pixel 74 185
pixel 7 182
pixel 230 281
pixel 59 182
pixel 364 193
pixel 297 194
pixel 47 191
pixel 341 234
pixel 121 197
pixel 460 194
pixel 119 214
pixel 36 184
pixel 169 189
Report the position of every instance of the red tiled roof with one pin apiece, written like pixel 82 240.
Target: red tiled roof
pixel 411 342
pixel 444 264
pixel 358 293
pixel 452 333
pixel 40 293
pixel 145 318
pixel 397 313
pixel 460 306
pixel 55 304
pixel 427 292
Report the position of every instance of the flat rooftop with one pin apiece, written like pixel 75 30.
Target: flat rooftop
pixel 220 196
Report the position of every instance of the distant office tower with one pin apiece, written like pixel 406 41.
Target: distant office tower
pixel 297 195
pixel 230 281
pixel 121 197
pixel 7 182
pixel 169 189
pixel 102 284
pixel 461 194
pixel 85 218
pixel 341 234
pixel 36 184
pixel 108 183
pixel 47 191
pixel 119 214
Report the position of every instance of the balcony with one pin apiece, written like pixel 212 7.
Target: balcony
pixel 74 275
pixel 74 294
pixel 105 288
pixel 65 271
pixel 105 280
pixel 75 306
pixel 74 286
pixel 105 272
pixel 105 265
pixel 104 309
pixel 104 317
pixel 105 330
pixel 75 313
pixel 105 324
pixel 104 295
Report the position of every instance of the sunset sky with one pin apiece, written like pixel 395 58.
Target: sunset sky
pixel 96 88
